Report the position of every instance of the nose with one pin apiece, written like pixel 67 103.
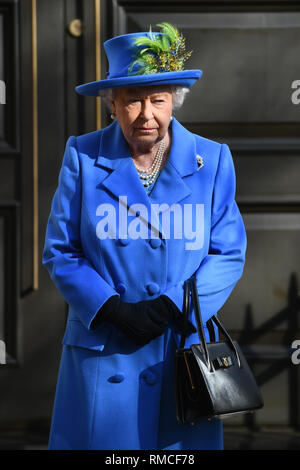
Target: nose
pixel 146 110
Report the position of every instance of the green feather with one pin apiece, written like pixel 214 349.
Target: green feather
pixel 165 43
pixel 170 31
pixel 153 45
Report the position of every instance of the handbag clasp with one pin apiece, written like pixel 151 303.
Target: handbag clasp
pixel 223 362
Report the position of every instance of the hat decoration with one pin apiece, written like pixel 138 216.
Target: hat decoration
pixel 160 52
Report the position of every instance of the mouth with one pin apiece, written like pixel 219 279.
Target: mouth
pixel 146 129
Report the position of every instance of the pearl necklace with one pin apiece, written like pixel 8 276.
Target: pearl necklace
pixel 148 176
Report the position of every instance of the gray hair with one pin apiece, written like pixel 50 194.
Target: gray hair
pixel 179 93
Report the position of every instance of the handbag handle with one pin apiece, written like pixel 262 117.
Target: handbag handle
pixel 199 323
pixel 190 286
pixel 186 309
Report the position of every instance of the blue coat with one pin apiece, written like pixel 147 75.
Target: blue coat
pixel 101 241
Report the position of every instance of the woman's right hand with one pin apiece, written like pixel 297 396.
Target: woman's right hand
pixel 142 321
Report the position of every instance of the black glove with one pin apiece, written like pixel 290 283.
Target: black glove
pixel 177 316
pixel 141 321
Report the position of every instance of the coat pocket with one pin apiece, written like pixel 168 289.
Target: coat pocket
pixel 76 334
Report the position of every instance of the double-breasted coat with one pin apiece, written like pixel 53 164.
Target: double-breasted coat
pixel 106 236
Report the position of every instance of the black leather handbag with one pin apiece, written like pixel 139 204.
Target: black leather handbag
pixel 211 379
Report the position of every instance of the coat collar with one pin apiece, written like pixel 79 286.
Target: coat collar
pixel 169 188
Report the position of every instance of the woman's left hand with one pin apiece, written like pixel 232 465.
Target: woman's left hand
pixel 168 310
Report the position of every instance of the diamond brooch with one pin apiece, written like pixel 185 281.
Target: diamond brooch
pixel 199 161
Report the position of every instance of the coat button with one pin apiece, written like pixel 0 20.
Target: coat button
pixel 124 241
pixel 121 288
pixel 150 378
pixel 153 288
pixel 155 242
pixel 116 379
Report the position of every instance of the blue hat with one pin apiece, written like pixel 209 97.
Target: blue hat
pixel 124 69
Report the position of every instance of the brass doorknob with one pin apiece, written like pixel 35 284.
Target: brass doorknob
pixel 75 28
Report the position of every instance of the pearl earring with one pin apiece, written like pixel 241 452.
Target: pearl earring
pixel 113 116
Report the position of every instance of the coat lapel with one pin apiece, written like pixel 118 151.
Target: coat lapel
pixel 123 180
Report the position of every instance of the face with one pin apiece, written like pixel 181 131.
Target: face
pixel 144 114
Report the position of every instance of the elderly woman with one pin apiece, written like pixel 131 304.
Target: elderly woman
pixel 140 207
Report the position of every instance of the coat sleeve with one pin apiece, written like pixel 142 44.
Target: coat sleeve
pixel 220 270
pixel 73 274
